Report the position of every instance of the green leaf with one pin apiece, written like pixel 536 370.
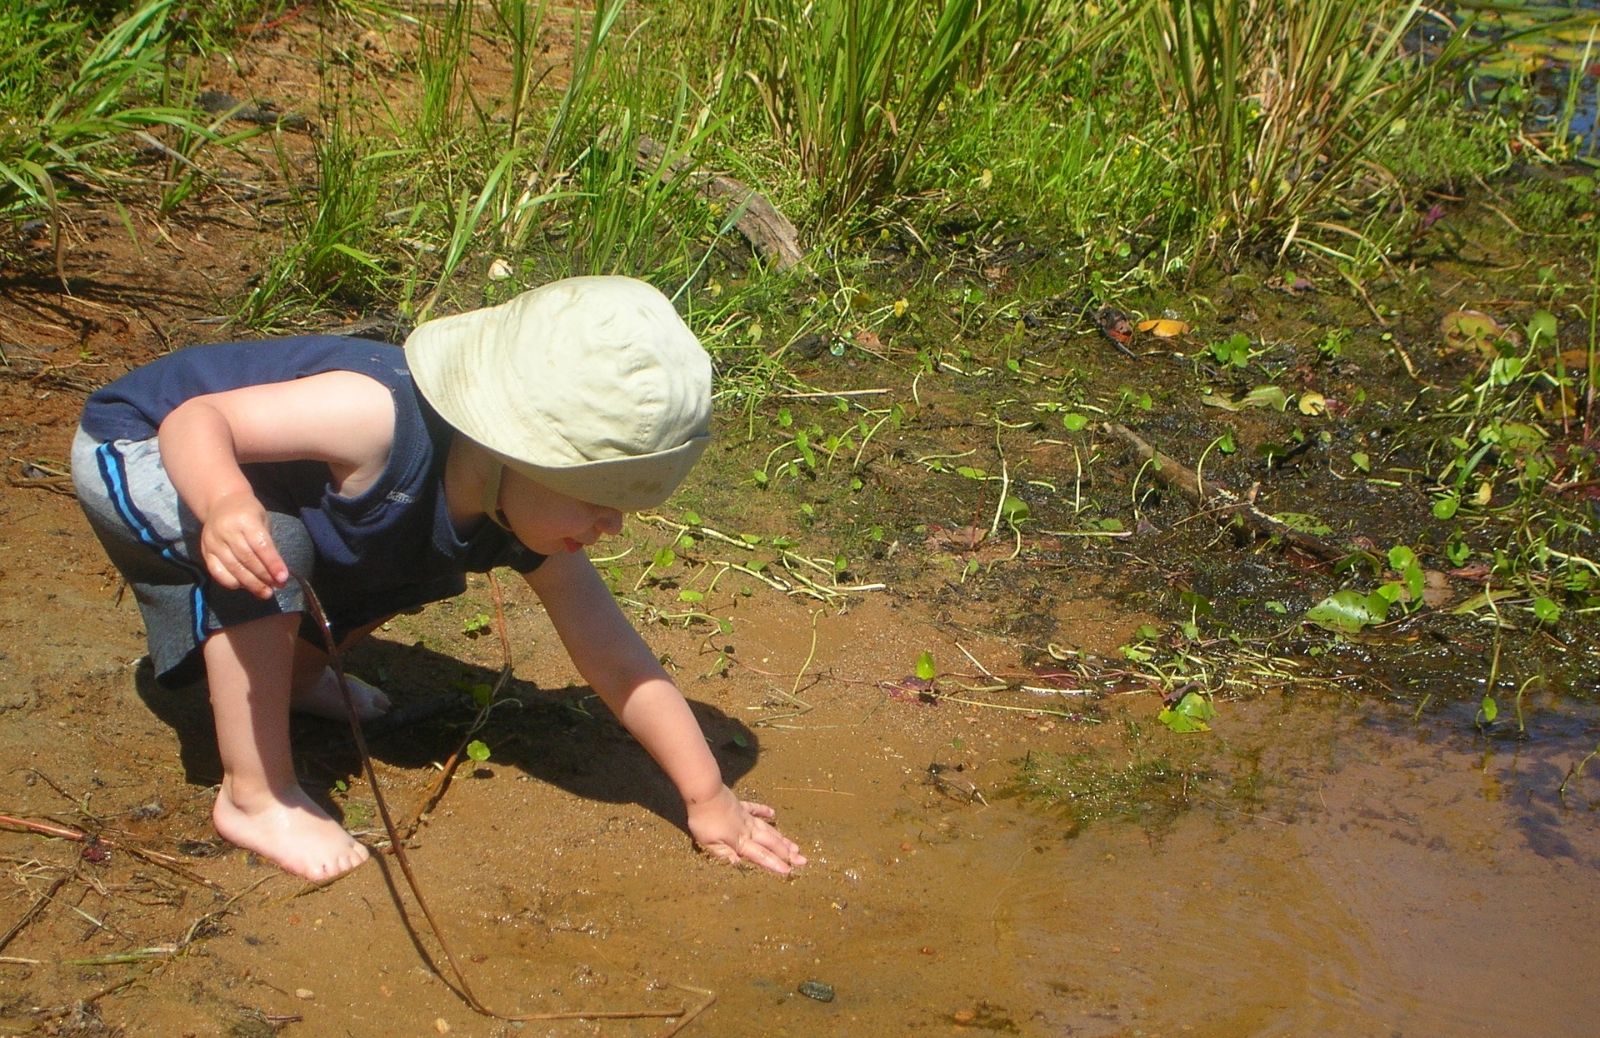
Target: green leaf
pixel 803 442
pixel 1190 715
pixel 1266 396
pixel 1360 460
pixel 925 668
pixel 1489 709
pixel 1446 507
pixel 1541 328
pixel 1074 422
pixel 1546 610
pixel 1347 612
pixel 478 750
pixel 1014 509
pixel 664 558
pixel 689 594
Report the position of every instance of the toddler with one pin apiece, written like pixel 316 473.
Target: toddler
pixel 516 435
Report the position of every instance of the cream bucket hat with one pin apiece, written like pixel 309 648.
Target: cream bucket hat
pixel 591 386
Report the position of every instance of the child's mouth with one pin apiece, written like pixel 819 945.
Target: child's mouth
pixel 571 544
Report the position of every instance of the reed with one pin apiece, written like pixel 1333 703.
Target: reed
pixel 1279 102
pixel 853 86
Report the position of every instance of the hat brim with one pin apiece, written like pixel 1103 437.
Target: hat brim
pixel 626 484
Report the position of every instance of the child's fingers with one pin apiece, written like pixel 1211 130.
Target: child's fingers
pixel 239 550
pixel 246 560
pixel 768 847
pixel 227 569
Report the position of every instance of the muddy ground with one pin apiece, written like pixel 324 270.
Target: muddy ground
pixel 1345 853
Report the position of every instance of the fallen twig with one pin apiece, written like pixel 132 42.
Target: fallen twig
pixel 165 861
pixel 1222 501
pixel 768 231
pixel 397 846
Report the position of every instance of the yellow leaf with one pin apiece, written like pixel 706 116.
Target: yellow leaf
pixel 1164 327
pixel 1485 492
pixel 1313 403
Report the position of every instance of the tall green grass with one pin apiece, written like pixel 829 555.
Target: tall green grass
pixel 854 86
pixel 1279 104
pixel 334 239
pixel 1137 136
pixel 75 137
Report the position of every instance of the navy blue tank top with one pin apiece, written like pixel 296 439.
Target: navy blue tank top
pixel 391 547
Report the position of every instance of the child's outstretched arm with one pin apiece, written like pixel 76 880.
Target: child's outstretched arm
pixel 339 417
pixel 623 671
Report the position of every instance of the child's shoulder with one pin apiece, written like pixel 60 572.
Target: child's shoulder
pixel 134 405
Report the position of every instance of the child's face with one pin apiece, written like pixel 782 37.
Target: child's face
pixel 551 523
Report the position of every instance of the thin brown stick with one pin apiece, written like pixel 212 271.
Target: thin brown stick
pixel 462 985
pixel 165 861
pixel 35 909
pixel 1221 501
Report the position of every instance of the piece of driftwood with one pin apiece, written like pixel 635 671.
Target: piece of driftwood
pixel 1221 501
pixel 767 230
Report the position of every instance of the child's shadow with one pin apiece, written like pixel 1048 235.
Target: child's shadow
pixel 565 736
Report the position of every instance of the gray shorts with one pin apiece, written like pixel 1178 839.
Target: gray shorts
pixel 154 541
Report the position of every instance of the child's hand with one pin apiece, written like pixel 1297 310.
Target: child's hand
pixel 238 548
pixel 738 831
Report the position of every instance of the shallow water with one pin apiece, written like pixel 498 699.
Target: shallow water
pixel 1392 879
pixel 1397 892
pixel 1560 65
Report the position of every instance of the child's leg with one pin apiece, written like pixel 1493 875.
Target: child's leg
pixel 261 806
pixel 316 687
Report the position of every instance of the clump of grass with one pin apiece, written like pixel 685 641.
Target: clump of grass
pixel 1087 787
pixel 333 249
pixel 854 85
pixel 68 144
pixel 1280 103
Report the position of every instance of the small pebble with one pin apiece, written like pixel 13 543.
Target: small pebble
pixel 816 989
pixel 441 1025
pixel 306 993
pixel 964 1016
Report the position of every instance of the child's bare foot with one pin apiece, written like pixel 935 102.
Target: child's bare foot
pixel 292 832
pixel 322 698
